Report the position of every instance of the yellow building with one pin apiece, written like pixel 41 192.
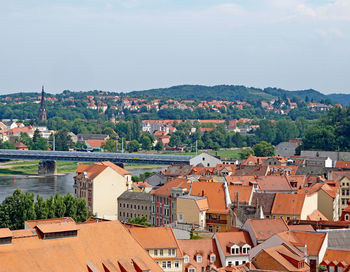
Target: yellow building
pixel 162 246
pixel 192 210
pixel 100 184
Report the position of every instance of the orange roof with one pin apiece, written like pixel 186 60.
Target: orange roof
pixel 337 255
pixel 156 238
pixel 95 245
pixel 342 164
pixel 203 247
pixel 288 204
pixel 313 240
pixel 57 227
pixel 316 215
pixel 95 143
pixel 214 191
pixel 165 190
pixel 33 223
pixel 281 255
pixel 241 180
pixel 237 237
pixel 244 193
pixel 301 228
pixel 115 167
pixel 253 160
pixel 263 229
pixel 202 204
pixel 331 191
pixel 273 183
pixel 5 232
pixel 92 171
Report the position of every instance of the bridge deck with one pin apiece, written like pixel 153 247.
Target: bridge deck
pixel 93 157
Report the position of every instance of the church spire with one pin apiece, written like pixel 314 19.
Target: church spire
pixel 42 111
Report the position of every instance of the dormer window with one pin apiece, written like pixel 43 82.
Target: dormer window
pixel 199 258
pixel 301 265
pixel 186 259
pixel 212 258
pixel 346 217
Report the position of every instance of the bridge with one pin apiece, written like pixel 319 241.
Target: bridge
pixel 49 157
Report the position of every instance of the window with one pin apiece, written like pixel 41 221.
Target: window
pixel 331 269
pixel 191 270
pixel 164 264
pixel 199 259
pixel 340 269
pixel 217 229
pixel 301 265
pixel 229 263
pixel 212 258
pixel 168 264
pixel 346 217
pixel 180 219
pixel 210 228
pixel 236 262
pixel 161 252
pixel 169 252
pixel 155 252
pixel 244 250
pixel 186 259
pixel 237 250
pixel 176 264
pixel 173 251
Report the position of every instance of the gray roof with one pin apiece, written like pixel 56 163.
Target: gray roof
pixel 338 238
pixel 140 196
pixel 285 149
pixel 84 137
pixel 178 170
pixel 311 170
pixel 156 180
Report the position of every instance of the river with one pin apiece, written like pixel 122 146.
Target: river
pixel 47 186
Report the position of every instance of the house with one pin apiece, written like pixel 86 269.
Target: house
pixel 254 160
pixel 262 229
pixel 191 210
pixel 73 247
pixel 345 165
pixel 273 184
pixel 233 247
pixel 293 206
pixel 327 199
pixel 265 201
pixel 156 180
pixel 161 245
pixel 309 245
pixel 134 204
pixel 251 170
pixel 345 214
pixel 205 159
pixel 176 170
pixel 21 146
pixel 100 184
pixel 336 260
pixel 164 201
pixel 218 217
pixel 200 254
pixel 279 258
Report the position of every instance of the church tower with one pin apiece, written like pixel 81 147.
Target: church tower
pixel 42 112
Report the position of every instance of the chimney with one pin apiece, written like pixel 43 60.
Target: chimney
pixel 202 192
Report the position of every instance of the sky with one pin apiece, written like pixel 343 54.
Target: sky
pixel 126 45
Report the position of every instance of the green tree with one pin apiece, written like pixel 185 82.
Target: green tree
pixel 7 145
pixel 41 209
pixel 319 138
pixel 244 153
pixel 25 139
pixel 146 142
pixel 285 130
pixel 139 221
pixel 263 149
pixel 62 140
pixel 133 146
pixel 110 145
pixel 159 146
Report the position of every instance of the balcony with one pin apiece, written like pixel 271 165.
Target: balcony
pixel 216 221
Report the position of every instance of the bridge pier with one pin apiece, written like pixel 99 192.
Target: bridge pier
pixel 47 168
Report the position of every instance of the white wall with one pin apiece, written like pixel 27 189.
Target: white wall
pixel 107 187
pixel 205 159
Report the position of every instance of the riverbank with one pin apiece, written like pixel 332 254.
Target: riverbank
pixel 30 168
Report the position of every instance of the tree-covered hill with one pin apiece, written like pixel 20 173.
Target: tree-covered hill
pixel 229 92
pixel 343 99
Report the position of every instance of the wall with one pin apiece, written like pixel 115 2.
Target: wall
pixel 334 155
pixel 205 159
pixel 189 209
pixel 107 187
pixel 310 205
pixel 325 204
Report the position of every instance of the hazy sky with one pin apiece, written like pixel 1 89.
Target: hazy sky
pixel 123 45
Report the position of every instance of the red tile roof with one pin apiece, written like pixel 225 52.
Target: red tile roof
pixel 288 204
